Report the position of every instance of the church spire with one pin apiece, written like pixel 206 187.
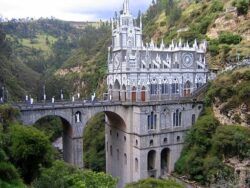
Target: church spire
pixel 126 7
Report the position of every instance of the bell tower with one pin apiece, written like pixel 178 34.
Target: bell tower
pixel 125 33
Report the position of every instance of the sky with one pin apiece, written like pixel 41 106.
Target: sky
pixel 70 10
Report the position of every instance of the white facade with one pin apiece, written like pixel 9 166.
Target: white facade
pixel 146 72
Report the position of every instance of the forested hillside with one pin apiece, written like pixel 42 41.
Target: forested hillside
pixel 36 50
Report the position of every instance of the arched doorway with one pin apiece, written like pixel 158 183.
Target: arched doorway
pixel 116 91
pixel 151 163
pixel 187 89
pixel 133 94
pixel 60 133
pixel 124 93
pixel 143 94
pixel 165 161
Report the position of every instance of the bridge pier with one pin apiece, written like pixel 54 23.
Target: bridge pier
pixel 77 153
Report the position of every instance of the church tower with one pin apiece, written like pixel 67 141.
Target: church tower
pixel 125 33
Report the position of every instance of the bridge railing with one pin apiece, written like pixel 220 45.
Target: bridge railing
pixel 107 101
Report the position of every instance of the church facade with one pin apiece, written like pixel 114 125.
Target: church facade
pixel 152 81
pixel 144 72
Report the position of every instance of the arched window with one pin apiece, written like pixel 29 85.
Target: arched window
pixel 125 159
pixel 193 119
pixel 175 87
pixel 151 143
pixel 116 91
pixel 165 140
pixel 151 159
pixel 199 82
pixel 143 94
pixel 136 164
pixel 178 138
pixel 152 121
pixel 177 118
pixel 153 89
pixel 78 117
pixel 118 153
pixel 187 89
pixel 133 94
pixel 164 88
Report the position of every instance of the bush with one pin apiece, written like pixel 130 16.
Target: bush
pixel 242 6
pixel 229 38
pixel 244 93
pixel 214 50
pixel 217 6
pixel 156 183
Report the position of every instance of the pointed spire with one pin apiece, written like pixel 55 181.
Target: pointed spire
pixel 195 44
pixel 126 7
pixel 162 44
pixel 152 45
pixel 141 22
pixel 112 24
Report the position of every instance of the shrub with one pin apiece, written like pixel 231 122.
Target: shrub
pixel 231 141
pixel 229 38
pixel 163 23
pixel 64 175
pixel 213 49
pixel 244 93
pixel 217 6
pixel 156 183
pixel 242 6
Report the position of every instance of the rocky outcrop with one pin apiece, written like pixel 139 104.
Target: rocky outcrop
pixel 238 115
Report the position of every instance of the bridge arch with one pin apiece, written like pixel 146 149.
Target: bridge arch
pixel 67 134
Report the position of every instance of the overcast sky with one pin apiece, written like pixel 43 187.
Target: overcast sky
pixel 71 10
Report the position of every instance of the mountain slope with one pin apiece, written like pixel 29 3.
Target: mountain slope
pixel 201 19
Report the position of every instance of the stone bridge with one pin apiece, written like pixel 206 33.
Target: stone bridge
pixel 141 139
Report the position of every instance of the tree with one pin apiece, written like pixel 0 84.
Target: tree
pixel 65 175
pixel 29 150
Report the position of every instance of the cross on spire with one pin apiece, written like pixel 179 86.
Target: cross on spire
pixel 126 7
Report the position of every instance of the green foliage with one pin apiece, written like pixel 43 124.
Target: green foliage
pixel 156 183
pixel 230 141
pixel 208 144
pixel 229 38
pixel 51 126
pixel 197 161
pixel 173 11
pixel 232 88
pixel 8 113
pixel 242 6
pixel 64 175
pixel 217 6
pixel 29 150
pixel 94 144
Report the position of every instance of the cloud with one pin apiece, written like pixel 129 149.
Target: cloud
pixel 75 10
